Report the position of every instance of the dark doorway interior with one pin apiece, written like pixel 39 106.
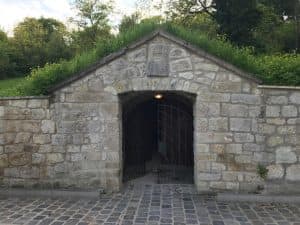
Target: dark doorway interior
pixel 158 137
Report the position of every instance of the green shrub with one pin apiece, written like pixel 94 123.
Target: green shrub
pixel 271 69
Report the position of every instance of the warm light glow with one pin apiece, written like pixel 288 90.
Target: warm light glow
pixel 158 96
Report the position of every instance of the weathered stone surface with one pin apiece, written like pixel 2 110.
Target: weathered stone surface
pixel 293 173
pixel 275 171
pixel 38 158
pixel 245 99
pixel 275 141
pixel 273 111
pixel 238 124
pixel 54 158
pixel 243 137
pixel 3 161
pixel 218 124
pixel 277 100
pixel 285 155
pixel 289 111
pixel 295 98
pixel 19 159
pixel 48 126
pixel 234 110
pixel 41 139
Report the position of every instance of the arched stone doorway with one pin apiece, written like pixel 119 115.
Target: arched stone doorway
pixel 158 137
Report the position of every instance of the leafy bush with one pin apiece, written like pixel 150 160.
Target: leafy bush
pixel 271 69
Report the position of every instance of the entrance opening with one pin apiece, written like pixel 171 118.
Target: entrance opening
pixel 157 137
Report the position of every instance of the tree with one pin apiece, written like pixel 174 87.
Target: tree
pixel 128 22
pixel 7 67
pixel 38 41
pixel 235 18
pixel 93 23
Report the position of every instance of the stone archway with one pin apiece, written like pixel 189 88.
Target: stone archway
pixel 157 139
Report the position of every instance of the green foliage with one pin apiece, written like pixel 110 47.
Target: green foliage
pixel 128 22
pixel 92 21
pixel 8 86
pixel 262 171
pixel 38 41
pixel 272 69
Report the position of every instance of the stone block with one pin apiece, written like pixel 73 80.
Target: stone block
pixel 31 172
pixel 215 167
pixel 201 125
pixel 276 121
pixel 22 138
pixel 217 148
pixel 275 171
pixel 234 148
pixel 19 159
pixel 209 176
pixel 255 111
pixel 204 66
pixel 18 103
pixel 138 55
pixel 252 147
pixel 48 126
pixel 263 157
pixel 38 114
pixel 246 99
pixel 295 98
pixel 213 137
pixel 41 139
pixel 273 111
pixel 73 148
pixel 240 124
pixel 34 103
pixel 277 100
pixel 243 158
pixel 186 75
pixel 14 148
pixel 234 110
pixel 53 158
pixel 181 65
pixel 285 154
pixel 202 148
pixel 293 172
pixel 243 138
pixel 289 111
pixel 3 161
pixel 218 124
pixel 77 157
pixel 286 130
pixel 2 111
pixel 266 128
pixel 11 172
pixel 38 158
pixel 274 141
pixel 226 86
pixel 213 97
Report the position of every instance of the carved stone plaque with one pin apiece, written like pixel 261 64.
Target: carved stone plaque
pixel 158 63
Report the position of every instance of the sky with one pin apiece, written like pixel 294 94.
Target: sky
pixel 14 11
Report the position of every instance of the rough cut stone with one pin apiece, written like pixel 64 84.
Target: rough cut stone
pixel 238 124
pixel 275 171
pixel 289 111
pixel 285 155
pixel 293 173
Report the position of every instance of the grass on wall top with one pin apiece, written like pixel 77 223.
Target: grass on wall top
pixel 271 69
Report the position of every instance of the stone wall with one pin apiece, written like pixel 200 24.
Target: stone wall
pixel 281 131
pixel 73 139
pixel 25 133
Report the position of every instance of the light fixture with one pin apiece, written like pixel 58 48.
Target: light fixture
pixel 158 96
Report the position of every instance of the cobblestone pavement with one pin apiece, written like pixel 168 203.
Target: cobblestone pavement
pixel 152 204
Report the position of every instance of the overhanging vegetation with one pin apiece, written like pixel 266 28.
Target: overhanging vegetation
pixel 271 69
